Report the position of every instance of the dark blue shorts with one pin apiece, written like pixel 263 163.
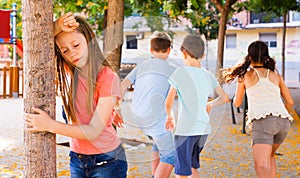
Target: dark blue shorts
pixel 112 164
pixel 187 150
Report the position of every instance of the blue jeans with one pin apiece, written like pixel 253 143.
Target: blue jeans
pixel 107 165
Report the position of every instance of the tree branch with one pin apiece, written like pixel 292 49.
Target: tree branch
pixel 218 5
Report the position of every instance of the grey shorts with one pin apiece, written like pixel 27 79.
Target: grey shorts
pixel 270 130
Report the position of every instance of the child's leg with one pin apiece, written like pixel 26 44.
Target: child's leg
pixel 183 151
pixel 285 125
pixel 262 155
pixel 273 161
pixel 155 159
pixel 198 147
pixel 163 170
pixel 195 173
pixel 165 146
pixel 265 142
pixel 188 149
pixel 262 141
pixel 178 176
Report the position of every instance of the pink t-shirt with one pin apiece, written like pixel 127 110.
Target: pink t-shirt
pixel 108 84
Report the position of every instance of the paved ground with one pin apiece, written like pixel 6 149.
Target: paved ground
pixel 227 152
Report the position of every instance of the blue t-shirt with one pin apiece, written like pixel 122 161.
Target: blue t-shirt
pixel 151 87
pixel 193 85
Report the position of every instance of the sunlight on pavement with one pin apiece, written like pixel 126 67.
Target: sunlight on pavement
pixel 6 143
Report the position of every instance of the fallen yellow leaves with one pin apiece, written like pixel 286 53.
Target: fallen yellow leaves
pixel 227 153
pixel 245 165
pixel 207 158
pixel 14 165
pixel 295 115
pixel 8 173
pixel 64 173
pixel 133 168
pixel 233 130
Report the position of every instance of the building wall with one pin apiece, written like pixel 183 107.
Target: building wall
pixel 243 18
pixel 293 45
pixel 142 52
pixel 246 36
pixel 292 51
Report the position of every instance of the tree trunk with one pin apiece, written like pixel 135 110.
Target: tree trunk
pixel 283 44
pixel 221 38
pixel 104 25
pixel 206 56
pixel 113 39
pixel 224 10
pixel 39 87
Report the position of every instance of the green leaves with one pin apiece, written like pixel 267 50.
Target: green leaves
pixel 155 12
pixel 277 7
pixel 203 17
pixel 93 9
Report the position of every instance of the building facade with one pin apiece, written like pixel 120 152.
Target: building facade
pixel 242 29
pixel 252 27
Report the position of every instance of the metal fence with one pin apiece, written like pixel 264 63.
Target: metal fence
pixel 11 79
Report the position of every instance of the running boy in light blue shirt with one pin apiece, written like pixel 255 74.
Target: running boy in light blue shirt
pixel 151 87
pixel 193 85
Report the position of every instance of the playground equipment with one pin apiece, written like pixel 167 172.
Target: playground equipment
pixel 17 47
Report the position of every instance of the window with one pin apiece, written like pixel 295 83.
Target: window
pixel 131 42
pixel 264 18
pixel 269 38
pixel 296 16
pixel 231 41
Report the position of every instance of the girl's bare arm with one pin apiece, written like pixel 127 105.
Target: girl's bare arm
pixel 91 131
pixel 65 23
pixel 239 94
pixel 289 102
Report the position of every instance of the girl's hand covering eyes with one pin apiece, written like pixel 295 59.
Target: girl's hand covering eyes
pixel 66 23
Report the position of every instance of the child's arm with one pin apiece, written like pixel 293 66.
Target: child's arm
pixel 118 118
pixel 239 93
pixel 288 99
pixel 221 99
pixel 124 86
pixel 170 123
pixel 90 131
pixel 65 23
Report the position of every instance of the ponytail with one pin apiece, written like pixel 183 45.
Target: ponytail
pixel 258 53
pixel 269 63
pixel 238 70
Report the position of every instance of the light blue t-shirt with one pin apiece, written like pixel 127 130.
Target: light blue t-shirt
pixel 193 85
pixel 151 87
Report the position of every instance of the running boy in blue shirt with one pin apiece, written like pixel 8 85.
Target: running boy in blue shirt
pixel 151 87
pixel 193 85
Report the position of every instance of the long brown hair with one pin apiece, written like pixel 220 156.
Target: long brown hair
pixel 257 53
pixel 68 73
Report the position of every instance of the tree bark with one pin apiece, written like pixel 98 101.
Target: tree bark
pixel 206 56
pixel 283 44
pixel 39 86
pixel 113 34
pixel 224 10
pixel 221 38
